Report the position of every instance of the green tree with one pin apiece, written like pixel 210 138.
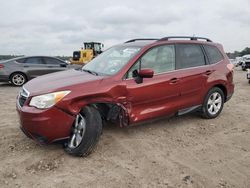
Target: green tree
pixel 245 51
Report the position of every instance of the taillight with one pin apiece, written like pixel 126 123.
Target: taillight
pixel 230 75
pixel 230 67
pixel 1 66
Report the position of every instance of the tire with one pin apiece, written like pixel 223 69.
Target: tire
pixel 243 68
pixel 249 81
pixel 90 134
pixel 213 103
pixel 18 79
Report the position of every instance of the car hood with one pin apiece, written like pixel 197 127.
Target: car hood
pixel 64 80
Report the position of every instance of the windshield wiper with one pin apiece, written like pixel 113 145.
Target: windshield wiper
pixel 91 72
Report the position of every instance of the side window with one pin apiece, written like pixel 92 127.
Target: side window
pixel 97 47
pixel 160 59
pixel 190 55
pixel 52 61
pixel 213 54
pixel 22 60
pixel 34 60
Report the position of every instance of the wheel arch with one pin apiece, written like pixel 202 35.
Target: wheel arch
pixel 20 72
pixel 109 109
pixel 112 111
pixel 223 88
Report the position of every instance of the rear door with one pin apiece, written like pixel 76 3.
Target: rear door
pixel 155 96
pixel 193 71
pixel 34 66
pixel 54 65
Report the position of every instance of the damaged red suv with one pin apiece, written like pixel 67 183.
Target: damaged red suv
pixel 127 84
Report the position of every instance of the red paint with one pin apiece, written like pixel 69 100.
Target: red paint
pixel 51 123
pixel 146 73
pixel 162 95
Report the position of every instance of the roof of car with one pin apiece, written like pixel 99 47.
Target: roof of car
pixel 141 42
pixel 22 57
pixel 247 55
pixel 37 56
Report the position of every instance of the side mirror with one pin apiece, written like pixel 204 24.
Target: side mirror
pixel 63 65
pixel 144 73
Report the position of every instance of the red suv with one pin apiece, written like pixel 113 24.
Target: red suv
pixel 128 83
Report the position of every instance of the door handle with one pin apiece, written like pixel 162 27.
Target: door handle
pixel 25 66
pixel 174 80
pixel 208 72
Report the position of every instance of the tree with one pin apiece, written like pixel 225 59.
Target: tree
pixel 245 51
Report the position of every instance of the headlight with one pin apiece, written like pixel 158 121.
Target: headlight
pixel 48 100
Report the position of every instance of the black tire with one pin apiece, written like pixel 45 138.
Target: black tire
pixel 18 79
pixel 91 136
pixel 205 107
pixel 243 68
pixel 249 81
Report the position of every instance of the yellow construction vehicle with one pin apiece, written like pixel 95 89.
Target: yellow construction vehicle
pixel 86 54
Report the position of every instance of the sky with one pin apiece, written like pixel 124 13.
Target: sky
pixel 58 27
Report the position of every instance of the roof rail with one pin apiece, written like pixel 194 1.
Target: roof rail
pixel 141 39
pixel 185 37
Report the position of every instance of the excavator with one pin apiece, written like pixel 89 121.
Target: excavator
pixel 87 53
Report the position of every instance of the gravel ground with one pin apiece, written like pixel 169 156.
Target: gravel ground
pixel 185 151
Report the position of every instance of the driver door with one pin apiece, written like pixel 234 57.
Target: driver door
pixel 157 96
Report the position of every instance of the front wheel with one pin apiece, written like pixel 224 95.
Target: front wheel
pixel 213 103
pixel 85 134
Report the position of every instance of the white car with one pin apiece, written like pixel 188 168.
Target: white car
pixel 238 60
pixel 248 75
pixel 245 62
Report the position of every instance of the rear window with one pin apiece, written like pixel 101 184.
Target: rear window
pixel 190 55
pixel 213 54
pixel 20 60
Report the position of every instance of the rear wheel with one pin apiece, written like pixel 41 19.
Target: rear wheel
pixel 85 134
pixel 18 79
pixel 213 103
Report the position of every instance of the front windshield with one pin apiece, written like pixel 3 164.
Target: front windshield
pixel 112 60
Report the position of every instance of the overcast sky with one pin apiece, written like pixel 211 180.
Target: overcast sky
pixel 57 27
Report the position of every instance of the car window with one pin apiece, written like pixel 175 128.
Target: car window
pixel 213 54
pixel 97 47
pixel 112 60
pixel 22 60
pixel 52 61
pixel 190 55
pixel 160 59
pixel 34 60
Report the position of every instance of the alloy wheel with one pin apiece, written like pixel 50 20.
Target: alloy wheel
pixel 214 103
pixel 18 79
pixel 78 132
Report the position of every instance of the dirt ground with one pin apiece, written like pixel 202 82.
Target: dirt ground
pixel 185 151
